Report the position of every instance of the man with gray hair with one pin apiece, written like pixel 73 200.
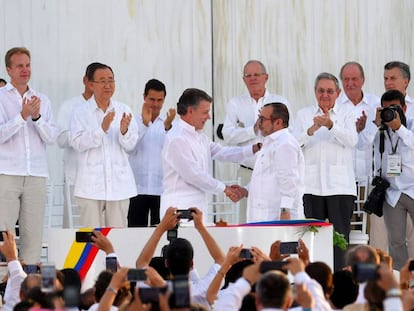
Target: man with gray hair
pixel 328 136
pixel 241 124
pixel 397 77
pixel 188 153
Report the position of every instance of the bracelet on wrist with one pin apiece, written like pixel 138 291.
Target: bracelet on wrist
pixel 35 119
pixel 112 290
pixel 393 292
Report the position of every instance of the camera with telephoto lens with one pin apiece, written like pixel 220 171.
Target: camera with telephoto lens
pixel 376 198
pixel 388 114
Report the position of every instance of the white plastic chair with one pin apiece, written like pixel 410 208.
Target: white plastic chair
pixel 358 234
pixel 72 209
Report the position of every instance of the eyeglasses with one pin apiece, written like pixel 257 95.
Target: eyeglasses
pixel 262 119
pixel 328 91
pixel 255 75
pixel 105 83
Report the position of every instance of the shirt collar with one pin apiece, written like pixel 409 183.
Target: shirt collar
pixel 334 109
pixel 275 135
pixel 409 99
pixel 263 98
pixel 11 87
pixel 93 105
pixel 343 99
pixel 187 126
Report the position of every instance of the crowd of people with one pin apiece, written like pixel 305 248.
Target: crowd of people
pixel 265 281
pixel 126 169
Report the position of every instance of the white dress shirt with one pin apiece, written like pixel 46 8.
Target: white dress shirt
pixel 199 286
pixel 64 139
pixel 145 159
pixel 241 115
pixel 187 158
pixel 104 172
pixel 329 168
pixel 14 282
pixel 231 300
pixel 277 180
pixel 23 142
pixel 409 101
pixel 405 137
pixel 362 158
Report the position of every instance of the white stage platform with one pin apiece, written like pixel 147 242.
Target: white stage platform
pixel 128 243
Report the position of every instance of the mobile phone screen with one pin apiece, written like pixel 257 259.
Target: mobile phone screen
pixel 150 294
pixel 246 253
pixel 365 272
pixel 31 269
pixel 136 275
pixel 185 213
pixel 272 265
pixel 288 247
pixel 84 236
pixel 111 264
pixel 48 272
pixel 181 292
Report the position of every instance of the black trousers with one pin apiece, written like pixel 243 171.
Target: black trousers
pixel 140 207
pixel 338 210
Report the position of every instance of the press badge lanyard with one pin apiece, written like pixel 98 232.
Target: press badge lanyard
pixel 394 159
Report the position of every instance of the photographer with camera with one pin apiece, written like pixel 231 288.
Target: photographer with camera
pixel 394 160
pixel 180 253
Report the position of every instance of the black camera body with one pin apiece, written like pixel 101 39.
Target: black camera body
pixel 388 114
pixel 375 199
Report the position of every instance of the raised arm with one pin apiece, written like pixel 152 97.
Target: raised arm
pixel 231 258
pixel 212 246
pixel 169 221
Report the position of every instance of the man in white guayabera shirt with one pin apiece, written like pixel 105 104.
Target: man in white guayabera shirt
pixel 26 126
pixel 188 153
pixel 103 131
pixel 276 189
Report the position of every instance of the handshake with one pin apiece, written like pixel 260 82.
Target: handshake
pixel 235 192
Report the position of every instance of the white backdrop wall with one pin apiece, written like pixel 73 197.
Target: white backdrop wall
pixel 204 44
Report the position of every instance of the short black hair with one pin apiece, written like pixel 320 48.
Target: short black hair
pixel 279 111
pixel 236 272
pixel 272 289
pixel 391 95
pixel 191 98
pixel 156 85
pixel 180 254
pixel 93 67
pixel 102 282
pixel 345 289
